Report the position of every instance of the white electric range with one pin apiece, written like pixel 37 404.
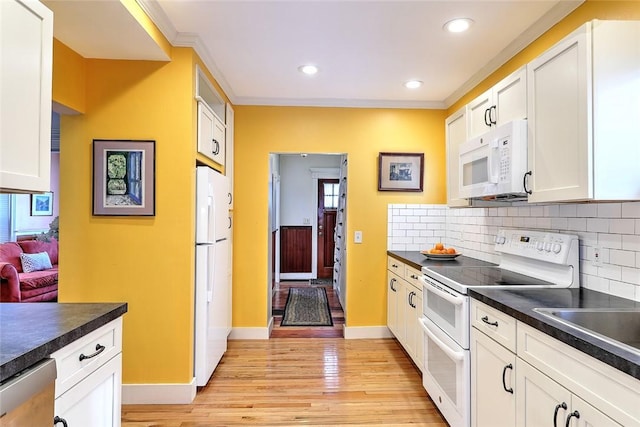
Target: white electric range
pixel 528 259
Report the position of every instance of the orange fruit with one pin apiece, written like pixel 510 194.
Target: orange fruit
pixel 439 246
pixel 451 251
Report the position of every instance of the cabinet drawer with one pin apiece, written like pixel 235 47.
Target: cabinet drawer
pixel 75 361
pixel 412 276
pixel 395 266
pixel 494 323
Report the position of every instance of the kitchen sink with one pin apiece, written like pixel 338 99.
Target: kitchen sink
pixel 617 326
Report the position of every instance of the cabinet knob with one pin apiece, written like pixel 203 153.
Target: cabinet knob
pixel 99 349
pixel 571 415
pixel 504 381
pixel 562 405
pixel 485 319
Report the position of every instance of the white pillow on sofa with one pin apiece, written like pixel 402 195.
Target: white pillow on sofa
pixel 35 262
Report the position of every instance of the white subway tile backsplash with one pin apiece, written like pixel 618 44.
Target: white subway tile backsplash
pixel 609 210
pixel 614 227
pixel 622 226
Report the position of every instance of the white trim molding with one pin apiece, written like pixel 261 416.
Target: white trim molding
pixel 258 333
pixel 366 332
pixel 159 394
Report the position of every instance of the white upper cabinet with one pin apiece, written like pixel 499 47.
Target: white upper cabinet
pixel 504 102
pixel 211 134
pixel 456 134
pixel 26 32
pixel 584 110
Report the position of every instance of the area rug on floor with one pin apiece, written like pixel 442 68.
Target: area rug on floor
pixel 307 307
pixel 320 282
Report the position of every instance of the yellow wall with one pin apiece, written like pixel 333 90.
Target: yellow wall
pixel 147 262
pixel 69 81
pixel 362 134
pixel 621 10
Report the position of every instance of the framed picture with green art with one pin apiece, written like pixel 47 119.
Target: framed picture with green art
pixel 123 177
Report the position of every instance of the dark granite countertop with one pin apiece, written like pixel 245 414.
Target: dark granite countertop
pixel 520 304
pixel 30 332
pixel 416 260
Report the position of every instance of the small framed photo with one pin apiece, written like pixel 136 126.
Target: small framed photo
pixel 400 171
pixel 124 177
pixel 42 204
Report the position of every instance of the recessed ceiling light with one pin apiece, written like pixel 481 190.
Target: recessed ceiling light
pixel 413 84
pixel 308 69
pixel 458 25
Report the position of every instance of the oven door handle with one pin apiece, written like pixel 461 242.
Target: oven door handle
pixel 453 299
pixel 456 355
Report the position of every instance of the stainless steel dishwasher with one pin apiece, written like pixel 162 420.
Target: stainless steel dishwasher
pixel 27 398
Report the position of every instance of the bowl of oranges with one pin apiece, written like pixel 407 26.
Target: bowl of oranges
pixel 439 251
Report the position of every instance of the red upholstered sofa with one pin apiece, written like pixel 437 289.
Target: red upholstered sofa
pixel 18 286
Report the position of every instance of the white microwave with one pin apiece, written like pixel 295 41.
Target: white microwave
pixel 494 164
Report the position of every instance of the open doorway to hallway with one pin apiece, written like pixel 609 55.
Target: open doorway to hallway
pixel 307 223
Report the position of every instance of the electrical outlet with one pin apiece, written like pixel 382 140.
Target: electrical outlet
pixel 597 256
pixel 357 237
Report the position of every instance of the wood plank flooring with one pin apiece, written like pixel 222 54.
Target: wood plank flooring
pixel 303 380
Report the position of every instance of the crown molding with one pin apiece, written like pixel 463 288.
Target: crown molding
pixel 338 102
pixel 542 25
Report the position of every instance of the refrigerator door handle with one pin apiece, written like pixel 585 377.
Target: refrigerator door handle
pixel 221 240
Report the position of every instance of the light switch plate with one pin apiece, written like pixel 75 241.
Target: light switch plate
pixel 357 237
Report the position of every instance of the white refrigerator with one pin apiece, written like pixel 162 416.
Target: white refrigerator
pixel 212 287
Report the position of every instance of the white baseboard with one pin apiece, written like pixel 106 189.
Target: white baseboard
pixel 160 394
pixel 360 332
pixel 251 333
pixel 296 276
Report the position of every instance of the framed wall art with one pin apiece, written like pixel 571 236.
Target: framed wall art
pixel 400 171
pixel 123 177
pixel 42 204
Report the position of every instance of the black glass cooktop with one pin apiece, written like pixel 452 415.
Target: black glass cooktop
pixel 484 276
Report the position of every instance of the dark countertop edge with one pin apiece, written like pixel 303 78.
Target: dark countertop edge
pixel 613 356
pixel 417 260
pixel 412 263
pixel 43 351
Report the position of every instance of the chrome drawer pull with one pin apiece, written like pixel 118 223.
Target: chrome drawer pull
pixel 99 349
pixel 485 319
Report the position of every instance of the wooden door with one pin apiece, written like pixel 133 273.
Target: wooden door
pixel 328 196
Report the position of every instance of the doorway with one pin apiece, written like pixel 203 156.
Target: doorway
pixel 307 201
pixel 328 195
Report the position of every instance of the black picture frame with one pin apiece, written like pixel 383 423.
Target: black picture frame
pixel 124 177
pixel 400 172
pixel 42 204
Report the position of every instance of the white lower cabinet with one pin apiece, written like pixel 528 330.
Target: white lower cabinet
pixel 89 383
pixel 551 383
pixel 543 402
pixel 404 308
pixel 492 382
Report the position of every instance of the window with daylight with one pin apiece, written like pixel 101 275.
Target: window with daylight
pixel 331 195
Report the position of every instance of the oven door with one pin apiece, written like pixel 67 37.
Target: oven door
pixel 447 374
pixel 446 308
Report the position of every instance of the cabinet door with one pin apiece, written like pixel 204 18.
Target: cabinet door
pixel 229 150
pixel 410 320
pixel 95 401
pixel 539 398
pixel 393 291
pixel 219 145
pixel 478 111
pixel 510 98
pixel 205 130
pixel 419 359
pixel 26 32
pixel 492 375
pixel 559 146
pixel 456 134
pixel 587 415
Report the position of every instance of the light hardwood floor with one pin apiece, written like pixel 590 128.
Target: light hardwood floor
pixel 304 380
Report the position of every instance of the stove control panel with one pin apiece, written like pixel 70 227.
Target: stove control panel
pixel 546 246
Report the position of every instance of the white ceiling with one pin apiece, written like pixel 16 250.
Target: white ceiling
pixel 365 50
